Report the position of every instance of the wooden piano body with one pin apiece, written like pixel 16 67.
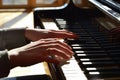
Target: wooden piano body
pixel 97 50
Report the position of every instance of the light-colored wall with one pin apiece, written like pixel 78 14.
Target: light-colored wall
pixel 40 3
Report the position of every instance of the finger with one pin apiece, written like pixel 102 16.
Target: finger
pixel 63 34
pixel 58 52
pixel 55 59
pixel 48 39
pixel 58 41
pixel 40 42
pixel 52 44
pixel 56 44
pixel 62 31
pixel 51 52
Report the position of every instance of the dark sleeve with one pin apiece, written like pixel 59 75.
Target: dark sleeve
pixel 12 38
pixel 4 64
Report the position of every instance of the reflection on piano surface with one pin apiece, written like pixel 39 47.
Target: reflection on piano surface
pixel 97 51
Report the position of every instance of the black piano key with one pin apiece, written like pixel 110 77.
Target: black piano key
pixel 103 43
pixel 103 76
pixel 112 44
pixel 103 70
pixel 84 45
pixel 113 50
pixel 90 55
pixel 87 38
pixel 82 35
pixel 91 62
pixel 76 30
pixel 114 53
pixel 102 38
pixel 106 74
pixel 87 48
pixel 98 64
pixel 81 41
pixel 111 47
pixel 94 59
pixel 90 52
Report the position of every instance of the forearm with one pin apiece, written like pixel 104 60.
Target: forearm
pixel 12 38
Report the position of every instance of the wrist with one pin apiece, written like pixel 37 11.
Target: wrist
pixel 29 34
pixel 12 58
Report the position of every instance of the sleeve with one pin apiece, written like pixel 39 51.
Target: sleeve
pixel 12 38
pixel 4 64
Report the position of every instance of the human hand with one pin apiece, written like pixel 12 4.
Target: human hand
pixel 36 34
pixel 50 50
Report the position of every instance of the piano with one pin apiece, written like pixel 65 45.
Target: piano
pixel 97 50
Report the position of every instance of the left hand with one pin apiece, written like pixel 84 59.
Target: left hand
pixel 36 34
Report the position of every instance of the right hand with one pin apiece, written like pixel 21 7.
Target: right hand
pixel 49 50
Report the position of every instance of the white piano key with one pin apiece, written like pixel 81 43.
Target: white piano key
pixel 73 71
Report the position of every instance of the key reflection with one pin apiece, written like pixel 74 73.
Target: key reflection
pixel 93 73
pixel 86 59
pixel 75 45
pixel 92 68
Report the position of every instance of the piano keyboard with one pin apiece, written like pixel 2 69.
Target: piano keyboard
pixel 71 70
pixel 96 57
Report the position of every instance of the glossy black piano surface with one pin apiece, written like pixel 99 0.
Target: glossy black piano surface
pixel 95 51
pixel 110 7
pixel 118 1
pixel 112 4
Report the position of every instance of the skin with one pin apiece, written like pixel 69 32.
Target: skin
pixel 36 34
pixel 45 46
